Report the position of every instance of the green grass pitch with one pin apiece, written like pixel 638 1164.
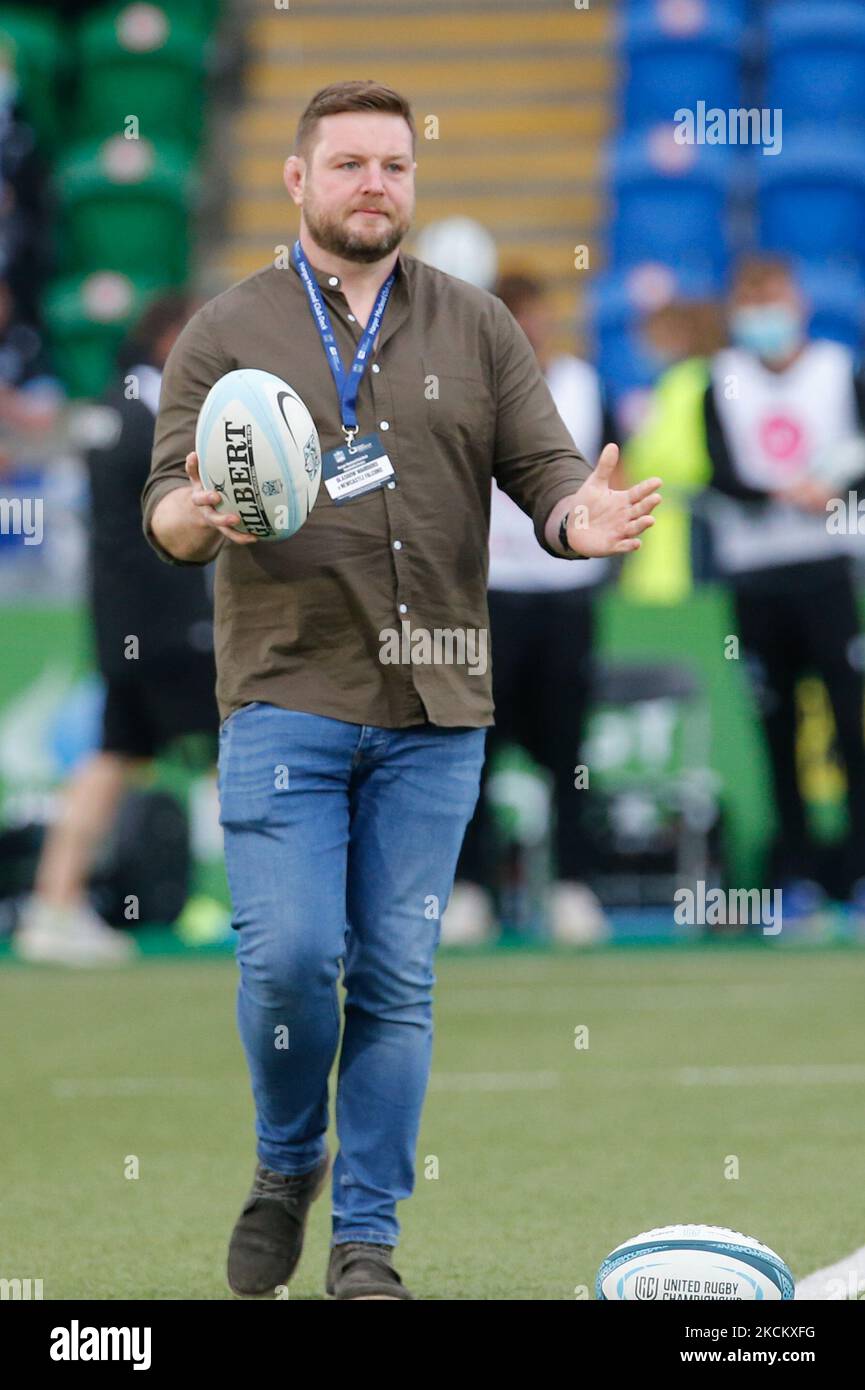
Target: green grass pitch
pixel 699 1064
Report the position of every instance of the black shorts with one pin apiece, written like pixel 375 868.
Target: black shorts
pixel 149 708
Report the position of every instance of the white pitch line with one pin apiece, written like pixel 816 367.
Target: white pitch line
pixel 531 999
pixel 494 1081
pixel 844 1280
pixel 816 1074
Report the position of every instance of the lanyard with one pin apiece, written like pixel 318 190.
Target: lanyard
pixel 347 383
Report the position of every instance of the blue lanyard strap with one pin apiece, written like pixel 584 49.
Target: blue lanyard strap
pixel 347 383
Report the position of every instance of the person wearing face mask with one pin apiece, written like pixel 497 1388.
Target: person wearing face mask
pixel 784 426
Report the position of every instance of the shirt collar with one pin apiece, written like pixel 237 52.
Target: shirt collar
pixel 326 281
pixel 399 304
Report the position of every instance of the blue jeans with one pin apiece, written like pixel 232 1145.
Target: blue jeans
pixel 341 842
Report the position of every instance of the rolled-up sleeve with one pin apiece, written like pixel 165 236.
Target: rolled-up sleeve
pixel 535 461
pixel 193 365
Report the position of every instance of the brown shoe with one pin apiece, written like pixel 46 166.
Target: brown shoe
pixel 268 1238
pixel 358 1270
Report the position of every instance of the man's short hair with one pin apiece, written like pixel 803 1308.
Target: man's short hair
pixel 361 94
pixel 756 271
pixel 517 289
pixel 170 309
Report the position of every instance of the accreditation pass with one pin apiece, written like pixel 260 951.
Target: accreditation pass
pixel 349 473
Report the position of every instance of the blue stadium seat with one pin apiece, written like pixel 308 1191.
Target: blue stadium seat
pixel 621 356
pixel 741 10
pixel 671 201
pixel 811 197
pixel 837 299
pixel 624 362
pixel 673 65
pixel 816 63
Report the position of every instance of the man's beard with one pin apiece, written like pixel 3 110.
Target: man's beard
pixel 333 236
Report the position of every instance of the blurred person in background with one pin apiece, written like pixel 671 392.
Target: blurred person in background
pixel 152 626
pixel 686 328
pixel 783 425
pixel 542 627
pixel 25 240
pixel 30 394
pixel 684 334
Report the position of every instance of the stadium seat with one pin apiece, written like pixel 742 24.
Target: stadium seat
pixel 624 360
pixel 743 11
pixel 141 60
pixel 87 317
pixel 837 299
pixel 204 14
pixel 124 205
pixel 671 201
pixel 673 61
pixel 816 63
pixel 811 198
pixel 30 47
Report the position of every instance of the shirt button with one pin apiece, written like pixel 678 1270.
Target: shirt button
pixel 376 367
pixel 333 280
pixel 351 318
pixel 391 484
pixel 397 545
pixel 383 425
pixel 403 608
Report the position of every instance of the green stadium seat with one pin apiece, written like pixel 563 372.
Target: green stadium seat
pixel 204 13
pixel 124 205
pixel 140 60
pixel 87 317
pixel 30 46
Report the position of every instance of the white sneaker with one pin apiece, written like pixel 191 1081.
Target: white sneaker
pixel 576 915
pixel 468 919
pixel 69 936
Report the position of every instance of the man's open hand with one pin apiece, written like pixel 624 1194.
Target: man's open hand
pixel 604 522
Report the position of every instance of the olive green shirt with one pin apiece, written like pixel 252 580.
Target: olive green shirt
pixel 327 621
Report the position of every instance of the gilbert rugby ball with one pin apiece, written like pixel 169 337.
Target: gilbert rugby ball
pixel 693 1262
pixel 258 448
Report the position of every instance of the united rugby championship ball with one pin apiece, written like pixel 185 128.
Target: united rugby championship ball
pixel 258 448
pixel 693 1262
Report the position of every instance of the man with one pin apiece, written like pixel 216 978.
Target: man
pixel 153 633
pixel 784 430
pixel 347 779
pixel 542 628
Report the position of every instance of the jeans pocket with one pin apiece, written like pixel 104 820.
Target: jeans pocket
pixel 253 704
pixel 253 771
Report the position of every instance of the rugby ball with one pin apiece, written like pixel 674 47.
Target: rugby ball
pixel 693 1262
pixel 258 448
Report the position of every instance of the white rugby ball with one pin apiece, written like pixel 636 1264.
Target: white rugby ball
pixel 258 447
pixel 693 1262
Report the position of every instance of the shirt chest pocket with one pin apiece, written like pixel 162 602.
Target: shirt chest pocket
pixel 459 403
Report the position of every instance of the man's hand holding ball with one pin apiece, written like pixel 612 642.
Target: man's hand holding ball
pixel 206 502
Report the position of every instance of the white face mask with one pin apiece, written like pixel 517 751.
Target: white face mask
pixel 770 331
